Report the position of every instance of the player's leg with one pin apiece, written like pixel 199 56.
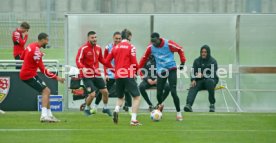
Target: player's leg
pixel 45 101
pixel 120 88
pixel 173 84
pixel 135 107
pixel 192 95
pixel 97 102
pixel 109 83
pixel 98 97
pixel 40 86
pixel 161 81
pixel 46 92
pixel 166 92
pixel 142 87
pixel 90 89
pixel 128 102
pixel 132 87
pixel 100 84
pixel 210 86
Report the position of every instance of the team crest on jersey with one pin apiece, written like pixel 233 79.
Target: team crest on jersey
pixel 4 88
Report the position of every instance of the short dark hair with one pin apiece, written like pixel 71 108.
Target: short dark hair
pixel 91 33
pixel 125 34
pixel 25 25
pixel 116 33
pixel 155 35
pixel 42 36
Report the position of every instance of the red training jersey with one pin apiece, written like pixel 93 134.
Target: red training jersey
pixel 89 57
pixel 32 57
pixel 18 42
pixel 124 55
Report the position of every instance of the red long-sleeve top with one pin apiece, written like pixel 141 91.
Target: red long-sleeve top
pixel 89 57
pixel 32 57
pixel 126 65
pixel 19 42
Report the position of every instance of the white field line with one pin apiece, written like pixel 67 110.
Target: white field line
pixel 147 130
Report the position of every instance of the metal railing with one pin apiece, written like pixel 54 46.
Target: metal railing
pixel 11 64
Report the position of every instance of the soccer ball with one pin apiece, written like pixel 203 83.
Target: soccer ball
pixel 156 115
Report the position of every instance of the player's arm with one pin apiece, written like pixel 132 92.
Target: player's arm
pixel 133 59
pixel 215 67
pixel 105 56
pixel 103 61
pixel 79 58
pixel 48 73
pixel 144 59
pixel 23 41
pixel 45 70
pixel 174 47
pixel 15 37
pixel 110 57
pixel 18 40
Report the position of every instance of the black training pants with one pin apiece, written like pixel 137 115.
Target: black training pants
pixel 161 82
pixel 205 84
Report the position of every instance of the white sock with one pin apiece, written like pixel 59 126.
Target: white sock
pixel 178 114
pixel 130 109
pixel 105 106
pixel 43 111
pixel 133 116
pixel 117 108
pixel 87 107
pixel 49 113
pixel 95 106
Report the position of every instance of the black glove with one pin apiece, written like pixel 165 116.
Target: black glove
pixel 181 67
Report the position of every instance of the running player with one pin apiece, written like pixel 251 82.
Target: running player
pixel 109 75
pixel 87 60
pixel 150 80
pixel 163 52
pixel 32 57
pixel 125 71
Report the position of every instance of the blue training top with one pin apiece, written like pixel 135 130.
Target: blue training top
pixel 164 57
pixel 110 74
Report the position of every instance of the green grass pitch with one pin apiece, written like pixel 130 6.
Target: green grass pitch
pixel 24 127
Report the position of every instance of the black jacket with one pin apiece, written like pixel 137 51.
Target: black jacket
pixel 151 75
pixel 201 65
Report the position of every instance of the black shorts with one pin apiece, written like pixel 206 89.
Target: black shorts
pixel 128 84
pixel 36 83
pixel 92 84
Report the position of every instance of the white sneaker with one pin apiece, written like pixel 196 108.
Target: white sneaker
pixel 2 112
pixel 54 119
pixel 179 118
pixel 44 119
pixel 47 119
pixel 135 123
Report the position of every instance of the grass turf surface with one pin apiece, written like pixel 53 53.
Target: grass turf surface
pixel 25 127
